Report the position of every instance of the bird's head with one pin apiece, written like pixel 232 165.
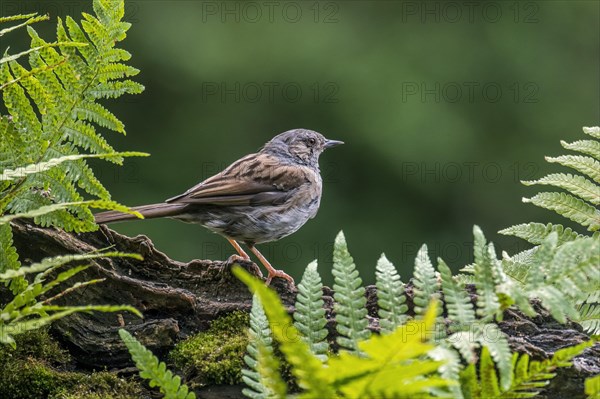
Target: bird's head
pixel 302 145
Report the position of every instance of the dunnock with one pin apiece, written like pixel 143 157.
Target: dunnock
pixel 261 197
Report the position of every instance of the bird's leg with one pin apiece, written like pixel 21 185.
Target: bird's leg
pixel 243 254
pixel 272 271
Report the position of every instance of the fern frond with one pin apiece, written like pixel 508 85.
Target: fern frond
pixel 98 204
pixel 485 269
pixel 350 300
pixel 586 165
pixel 9 260
pixel 8 331
pixel 449 369
pixel 390 296
pixel 516 269
pixel 391 365
pixel 589 318
pixel 310 315
pixel 262 376
pixel 530 376
pixel 10 174
pixel 24 312
pixel 541 259
pixel 568 206
pixel 588 147
pixel 465 343
pixel 154 371
pixel 575 265
pixel 306 367
pixel 31 19
pixel 469 383
pixel 14 57
pixel 490 388
pixel 458 303
pixel 592 131
pixel 575 184
pixel 94 112
pixel 425 280
pixel 535 233
pixel 57 261
pixel 592 387
pixel 53 104
pixel 494 341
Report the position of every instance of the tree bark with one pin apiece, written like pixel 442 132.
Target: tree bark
pixel 179 299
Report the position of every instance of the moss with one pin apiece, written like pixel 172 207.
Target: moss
pixel 214 356
pixel 38 368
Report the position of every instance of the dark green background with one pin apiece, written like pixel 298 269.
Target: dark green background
pixel 426 157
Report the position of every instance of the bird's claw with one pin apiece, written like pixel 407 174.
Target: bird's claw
pixel 235 258
pixel 281 274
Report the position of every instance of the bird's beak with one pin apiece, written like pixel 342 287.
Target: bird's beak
pixel 333 143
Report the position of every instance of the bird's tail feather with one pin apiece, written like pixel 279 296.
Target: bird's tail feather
pixel 148 211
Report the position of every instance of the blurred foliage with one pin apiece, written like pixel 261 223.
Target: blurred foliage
pixel 414 169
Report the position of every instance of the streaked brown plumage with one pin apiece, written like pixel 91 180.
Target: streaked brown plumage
pixel 262 197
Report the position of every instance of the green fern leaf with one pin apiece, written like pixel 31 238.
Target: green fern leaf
pixel 20 109
pixel 592 387
pixel 57 261
pixel 570 207
pixel 9 174
pixel 262 375
pixel 575 184
pixel 84 135
pixel 8 331
pixel 96 113
pixel 576 264
pixel 495 342
pixel 535 233
pixel 350 300
pixel 426 282
pixel 390 365
pixel 517 266
pixel 592 131
pixel 98 204
pixel 31 19
pixel 116 70
pixel 390 296
pixel 586 165
pixel 589 318
pixel 487 375
pixel 486 266
pixel 310 315
pixel 9 260
pixel 588 147
pixel 469 382
pixel 155 371
pixel 449 369
pixel 460 309
pixel 115 89
pixel 306 367
pixel 465 343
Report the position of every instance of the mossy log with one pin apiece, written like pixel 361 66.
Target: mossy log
pixel 180 299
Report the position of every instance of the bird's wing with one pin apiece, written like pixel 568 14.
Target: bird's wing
pixel 257 179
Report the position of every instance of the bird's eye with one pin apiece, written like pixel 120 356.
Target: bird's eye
pixel 311 141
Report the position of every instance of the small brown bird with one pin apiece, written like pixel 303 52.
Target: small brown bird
pixel 261 197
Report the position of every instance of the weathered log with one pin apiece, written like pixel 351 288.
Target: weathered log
pixel 179 299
